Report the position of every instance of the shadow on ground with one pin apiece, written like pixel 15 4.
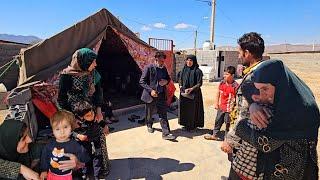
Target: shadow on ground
pixel 190 134
pixel 125 124
pixel 147 168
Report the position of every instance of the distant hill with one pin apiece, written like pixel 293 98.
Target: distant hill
pixel 20 39
pixel 280 48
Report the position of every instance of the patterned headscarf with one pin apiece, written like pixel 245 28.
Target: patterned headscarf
pixel 81 61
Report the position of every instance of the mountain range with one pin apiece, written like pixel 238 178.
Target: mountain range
pixel 20 38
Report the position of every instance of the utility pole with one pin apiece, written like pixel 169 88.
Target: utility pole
pixel 286 45
pixel 213 14
pixel 313 45
pixel 195 42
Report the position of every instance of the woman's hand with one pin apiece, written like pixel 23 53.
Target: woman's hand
pixel 28 173
pixel 43 175
pixel 259 115
pixel 82 137
pixel 99 115
pixel 225 147
pixel 69 164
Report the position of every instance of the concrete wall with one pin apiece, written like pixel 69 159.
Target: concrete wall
pixel 179 63
pixel 210 58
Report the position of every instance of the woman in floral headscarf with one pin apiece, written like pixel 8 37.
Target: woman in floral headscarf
pixel 81 82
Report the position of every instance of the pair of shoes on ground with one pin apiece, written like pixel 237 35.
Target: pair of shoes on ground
pixel 168 137
pixel 150 129
pixel 143 121
pixel 212 137
pixel 133 118
pixel 111 129
pixel 165 137
pixel 111 120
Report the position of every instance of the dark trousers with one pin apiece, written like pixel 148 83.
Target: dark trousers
pixel 108 111
pixel 95 166
pixel 233 175
pixel 222 117
pixel 159 106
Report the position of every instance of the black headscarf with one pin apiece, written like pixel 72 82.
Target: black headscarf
pixel 296 113
pixel 10 134
pixel 188 76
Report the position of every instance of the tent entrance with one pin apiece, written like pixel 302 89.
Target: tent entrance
pixel 119 71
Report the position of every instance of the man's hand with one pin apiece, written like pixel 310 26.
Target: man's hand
pixel 28 173
pixel 69 164
pixel 163 82
pixel 259 115
pixel 188 91
pixel 82 137
pixel 154 93
pixel 225 147
pixel 216 106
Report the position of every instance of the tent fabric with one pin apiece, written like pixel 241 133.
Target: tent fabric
pixel 45 58
pixel 8 51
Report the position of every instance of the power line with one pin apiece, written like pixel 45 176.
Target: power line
pixel 209 2
pixel 180 42
pixel 224 14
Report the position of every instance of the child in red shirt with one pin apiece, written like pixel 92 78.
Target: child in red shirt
pixel 224 101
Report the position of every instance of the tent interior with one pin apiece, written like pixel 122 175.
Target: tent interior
pixel 119 71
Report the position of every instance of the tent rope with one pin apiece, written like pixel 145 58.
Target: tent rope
pixel 9 65
pixel 6 64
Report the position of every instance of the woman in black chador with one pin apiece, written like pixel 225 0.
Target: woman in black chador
pixel 191 114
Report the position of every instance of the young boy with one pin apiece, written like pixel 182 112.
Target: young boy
pixel 223 103
pixel 89 134
pixel 59 149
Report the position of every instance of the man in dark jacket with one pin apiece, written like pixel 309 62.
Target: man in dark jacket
pixel 154 79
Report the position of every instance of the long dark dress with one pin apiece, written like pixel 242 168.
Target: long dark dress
pixel 74 89
pixel 191 113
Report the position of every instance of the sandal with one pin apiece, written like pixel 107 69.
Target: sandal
pixel 131 119
pixel 113 119
pixel 135 116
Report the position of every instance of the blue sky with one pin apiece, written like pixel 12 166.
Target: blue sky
pixel 279 21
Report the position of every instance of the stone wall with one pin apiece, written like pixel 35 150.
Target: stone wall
pixel 178 65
